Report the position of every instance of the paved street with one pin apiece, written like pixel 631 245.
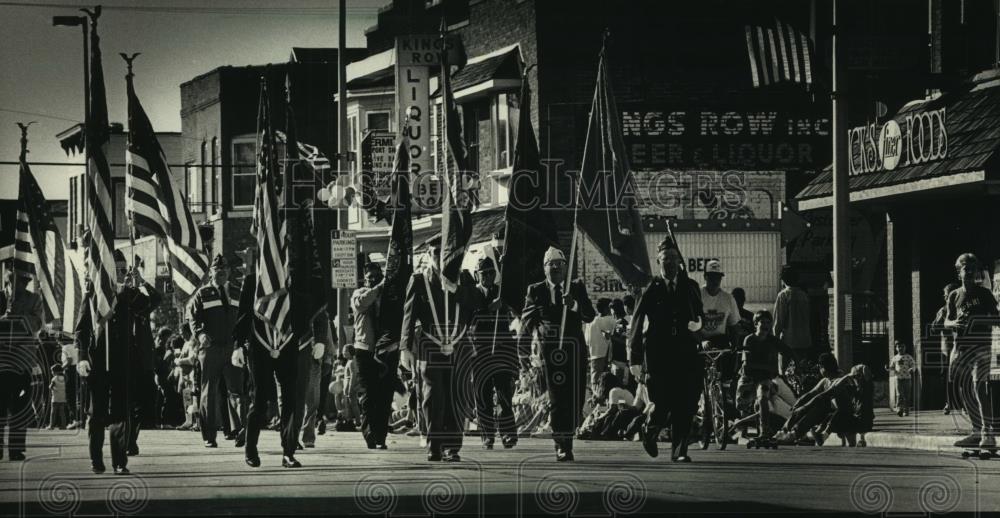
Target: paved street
pixel 175 475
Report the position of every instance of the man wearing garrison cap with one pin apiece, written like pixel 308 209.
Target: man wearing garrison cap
pixel 662 345
pixel 441 351
pixel 113 375
pixel 212 313
pixel 495 363
pixel 16 302
pixel 564 362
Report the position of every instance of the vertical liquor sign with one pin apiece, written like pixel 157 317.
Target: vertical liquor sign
pixel 416 55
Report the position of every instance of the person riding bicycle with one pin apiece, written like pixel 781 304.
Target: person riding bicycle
pixel 760 368
pixel 721 327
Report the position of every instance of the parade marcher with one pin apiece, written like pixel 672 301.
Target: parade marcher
pixel 311 353
pixel 266 363
pixel 374 392
pixel 441 353
pixel 972 313
pixel 15 381
pixel 563 362
pixel 112 364
pixel 495 364
pixel 146 377
pixel 662 339
pixel 213 318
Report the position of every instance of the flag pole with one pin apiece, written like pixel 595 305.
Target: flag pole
pixel 131 214
pixel 446 199
pixel 579 183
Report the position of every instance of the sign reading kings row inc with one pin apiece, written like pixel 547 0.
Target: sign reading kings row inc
pixel 915 139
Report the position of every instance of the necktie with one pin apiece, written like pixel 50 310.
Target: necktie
pixel 670 287
pixel 559 295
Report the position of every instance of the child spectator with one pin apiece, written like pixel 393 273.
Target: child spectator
pixel 619 349
pixel 57 389
pixel 901 368
pixel 599 342
pixel 804 416
pixel 760 367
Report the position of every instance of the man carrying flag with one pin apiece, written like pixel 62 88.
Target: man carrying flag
pixel 662 340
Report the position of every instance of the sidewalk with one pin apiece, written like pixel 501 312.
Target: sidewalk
pixel 924 430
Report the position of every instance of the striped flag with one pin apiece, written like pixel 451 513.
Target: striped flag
pixel 271 300
pixel 399 257
pixel 778 53
pixel 309 155
pixel 156 206
pixel 456 222
pixel 40 250
pixel 100 258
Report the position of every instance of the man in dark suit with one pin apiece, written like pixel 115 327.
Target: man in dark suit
pixel 564 362
pixel 17 357
pixel 113 374
pixel 146 382
pixel 662 339
pixel 442 353
pixel 495 363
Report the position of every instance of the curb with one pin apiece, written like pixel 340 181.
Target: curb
pixel 909 441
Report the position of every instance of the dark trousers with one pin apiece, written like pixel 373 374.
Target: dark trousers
pixel 15 408
pixel 325 377
pixel 219 375
pixel 566 379
pixel 113 406
pixel 675 394
pixel 72 385
pixel 445 383
pixel 376 379
pixel 263 371
pixel 145 405
pixel 493 373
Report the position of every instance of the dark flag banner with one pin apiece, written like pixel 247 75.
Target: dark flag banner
pixel 157 207
pixel 271 300
pixel 399 258
pixel 39 248
pixel 306 276
pixel 607 201
pixel 531 227
pixel 456 223
pixel 100 258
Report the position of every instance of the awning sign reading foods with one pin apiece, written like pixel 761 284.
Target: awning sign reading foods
pixel 917 138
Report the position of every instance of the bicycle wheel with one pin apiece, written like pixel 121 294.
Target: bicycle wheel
pixel 719 425
pixel 706 418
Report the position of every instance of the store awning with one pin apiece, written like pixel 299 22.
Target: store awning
pixel 498 70
pixel 948 141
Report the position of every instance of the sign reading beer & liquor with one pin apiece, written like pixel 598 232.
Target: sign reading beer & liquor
pixel 343 259
pixel 912 139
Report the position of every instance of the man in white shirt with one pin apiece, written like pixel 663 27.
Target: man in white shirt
pixel 722 315
pixel 599 342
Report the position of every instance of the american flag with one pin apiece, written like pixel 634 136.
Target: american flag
pixel 309 155
pixel 100 258
pixel 156 205
pixel 778 53
pixel 39 249
pixel 271 301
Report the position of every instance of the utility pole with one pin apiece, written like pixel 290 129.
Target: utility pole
pixel 843 331
pixel 343 162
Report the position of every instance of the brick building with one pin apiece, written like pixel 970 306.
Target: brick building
pixel 219 126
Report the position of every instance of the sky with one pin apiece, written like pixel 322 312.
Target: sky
pixel 42 65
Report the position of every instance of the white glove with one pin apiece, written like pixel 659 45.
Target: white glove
pixel 318 350
pixel 238 359
pixel 636 371
pixel 204 340
pixel 695 326
pixel 406 360
pixel 83 368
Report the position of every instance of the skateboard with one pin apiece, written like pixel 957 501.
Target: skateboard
pixel 982 453
pixel 765 443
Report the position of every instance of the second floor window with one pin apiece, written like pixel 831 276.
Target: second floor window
pixel 193 187
pixel 244 172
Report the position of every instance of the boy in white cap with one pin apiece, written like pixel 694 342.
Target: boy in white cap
pixel 722 315
pixel 564 362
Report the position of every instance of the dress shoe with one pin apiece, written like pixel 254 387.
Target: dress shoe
pixel 298 447
pixel 649 442
pixel 564 456
pixel 231 436
pixel 310 445
pixel 17 455
pixel 681 458
pixel 97 467
pixel 288 461
pixel 121 470
pixel 253 462
pixel 433 457
pixel 451 456
pixel 487 445
pixel 381 446
pixel 321 429
pixel 241 440
pixel 211 444
pixel 132 451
